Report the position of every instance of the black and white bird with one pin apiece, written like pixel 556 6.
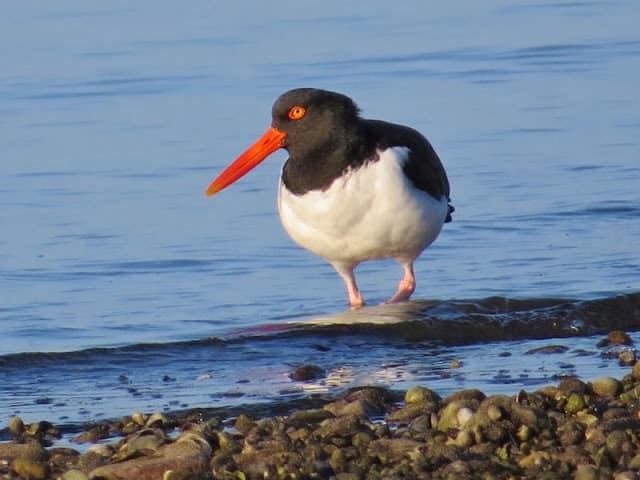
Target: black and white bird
pixel 352 189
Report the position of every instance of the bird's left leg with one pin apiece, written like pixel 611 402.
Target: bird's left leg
pixel 407 285
pixel 353 292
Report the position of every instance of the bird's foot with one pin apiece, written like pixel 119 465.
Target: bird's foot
pixel 355 300
pixel 406 287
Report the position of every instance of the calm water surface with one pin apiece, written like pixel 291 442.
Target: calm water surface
pixel 115 117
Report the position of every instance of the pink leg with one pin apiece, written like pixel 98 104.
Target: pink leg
pixel 355 297
pixel 406 287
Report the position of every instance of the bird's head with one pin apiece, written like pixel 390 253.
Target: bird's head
pixel 304 121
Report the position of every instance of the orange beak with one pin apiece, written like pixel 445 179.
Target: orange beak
pixel 271 141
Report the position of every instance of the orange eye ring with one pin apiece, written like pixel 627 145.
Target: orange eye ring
pixel 297 112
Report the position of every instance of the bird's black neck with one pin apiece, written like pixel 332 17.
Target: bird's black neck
pixel 315 167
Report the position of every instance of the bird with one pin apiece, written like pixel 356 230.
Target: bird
pixel 352 189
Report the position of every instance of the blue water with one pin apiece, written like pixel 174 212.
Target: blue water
pixel 114 118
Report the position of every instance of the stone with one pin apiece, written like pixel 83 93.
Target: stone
pixel 29 451
pixel 30 469
pixel 419 394
pixel 606 387
pixel 188 455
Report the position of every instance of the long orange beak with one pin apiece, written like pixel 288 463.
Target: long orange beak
pixel 271 141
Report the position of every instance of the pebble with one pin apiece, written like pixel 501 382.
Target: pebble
pixel 305 373
pixel 627 358
pixel 30 469
pixel 494 413
pixel 586 472
pixel 572 385
pixel 139 418
pixel 158 419
pixel 606 386
pixel 74 475
pixel 16 426
pixel 464 415
pixel 575 403
pixel 419 394
pixel 548 349
pixel 615 337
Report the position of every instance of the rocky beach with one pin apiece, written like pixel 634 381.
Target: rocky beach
pixel 573 429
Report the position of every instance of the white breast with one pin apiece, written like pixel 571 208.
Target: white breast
pixel 370 212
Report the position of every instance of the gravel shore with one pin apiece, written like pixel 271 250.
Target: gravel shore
pixel 571 430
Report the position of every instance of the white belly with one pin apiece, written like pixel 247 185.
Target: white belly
pixel 371 212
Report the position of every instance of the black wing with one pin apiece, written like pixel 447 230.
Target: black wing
pixel 424 168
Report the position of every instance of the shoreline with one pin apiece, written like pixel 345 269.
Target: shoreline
pixel 573 429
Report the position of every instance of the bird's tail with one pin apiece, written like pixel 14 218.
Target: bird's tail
pixel 451 210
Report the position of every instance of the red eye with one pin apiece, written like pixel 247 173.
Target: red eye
pixel 297 112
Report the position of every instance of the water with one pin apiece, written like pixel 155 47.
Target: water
pixel 114 118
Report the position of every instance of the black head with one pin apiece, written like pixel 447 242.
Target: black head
pixel 322 132
pixel 313 120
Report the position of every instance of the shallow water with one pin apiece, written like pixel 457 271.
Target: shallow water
pixel 114 118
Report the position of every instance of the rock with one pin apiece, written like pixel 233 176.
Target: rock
pixel 455 363
pixel 139 418
pixel 412 411
pixel 548 350
pixel 344 426
pixel 389 451
pixel 101 449
pixel 575 403
pixel 27 451
pixel 188 455
pixel 30 469
pixel 571 433
pixel 421 424
pixel 471 395
pixel 305 418
pixel 524 433
pixel 495 413
pixel 586 472
pixel 627 358
pixel 628 475
pixel 570 385
pixel 39 428
pixel 359 408
pixel 634 463
pixel 361 439
pixel 74 475
pixel 606 387
pixel 244 423
pixel 63 458
pixel 464 438
pixel 534 459
pixel 615 337
pixel 448 416
pixel 140 443
pixel 377 397
pixel 16 426
pixel 226 443
pixel 635 373
pixel 92 435
pixel 304 373
pixel 419 394
pixel 618 442
pixel 158 420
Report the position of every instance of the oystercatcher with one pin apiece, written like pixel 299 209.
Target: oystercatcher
pixel 352 189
